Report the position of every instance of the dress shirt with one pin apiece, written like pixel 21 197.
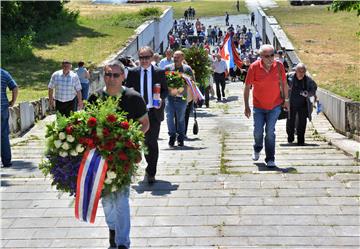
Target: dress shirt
pixel 220 66
pixel 149 86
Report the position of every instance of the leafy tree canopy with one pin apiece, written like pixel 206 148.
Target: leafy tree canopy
pixel 339 5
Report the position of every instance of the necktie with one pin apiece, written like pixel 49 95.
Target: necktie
pixel 145 87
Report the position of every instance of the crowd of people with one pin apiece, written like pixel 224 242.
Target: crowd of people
pixel 262 70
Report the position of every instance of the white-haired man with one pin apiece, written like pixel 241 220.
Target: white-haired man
pixel 264 75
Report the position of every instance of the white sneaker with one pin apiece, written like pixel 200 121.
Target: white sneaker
pixel 255 156
pixel 271 164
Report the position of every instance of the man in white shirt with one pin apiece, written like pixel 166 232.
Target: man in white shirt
pixel 220 73
pixel 167 60
pixel 67 87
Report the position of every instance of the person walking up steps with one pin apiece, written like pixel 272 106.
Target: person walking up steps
pixel 263 75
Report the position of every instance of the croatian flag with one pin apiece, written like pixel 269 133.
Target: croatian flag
pixel 229 53
pixel 90 182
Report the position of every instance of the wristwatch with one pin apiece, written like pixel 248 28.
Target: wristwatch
pixel 287 100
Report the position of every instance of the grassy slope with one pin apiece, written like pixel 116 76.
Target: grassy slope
pixel 205 8
pixel 327 43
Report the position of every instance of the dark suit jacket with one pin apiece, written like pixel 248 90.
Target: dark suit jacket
pixel 158 77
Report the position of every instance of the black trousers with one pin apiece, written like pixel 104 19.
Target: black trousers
pixel 151 141
pixel 301 113
pixel 65 107
pixel 219 79
pixel 189 108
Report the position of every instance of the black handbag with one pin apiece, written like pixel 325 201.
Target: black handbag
pixel 284 114
pixel 195 126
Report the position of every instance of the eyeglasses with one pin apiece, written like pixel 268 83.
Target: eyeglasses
pixel 268 55
pixel 115 75
pixel 145 57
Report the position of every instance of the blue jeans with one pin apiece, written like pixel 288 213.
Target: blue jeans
pixel 175 105
pixel 117 215
pixel 85 91
pixel 5 141
pixel 268 118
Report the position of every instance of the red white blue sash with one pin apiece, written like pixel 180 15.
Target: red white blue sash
pixel 90 182
pixel 194 89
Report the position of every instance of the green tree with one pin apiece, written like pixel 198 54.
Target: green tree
pixel 349 6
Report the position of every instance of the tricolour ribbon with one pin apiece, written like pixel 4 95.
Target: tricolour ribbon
pixel 90 182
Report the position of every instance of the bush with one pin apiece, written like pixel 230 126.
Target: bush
pixel 151 11
pixel 16 47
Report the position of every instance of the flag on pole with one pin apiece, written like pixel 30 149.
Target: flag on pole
pixel 229 53
pixel 90 182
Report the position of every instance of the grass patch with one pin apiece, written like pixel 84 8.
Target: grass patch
pixel 326 42
pixel 206 8
pixel 223 161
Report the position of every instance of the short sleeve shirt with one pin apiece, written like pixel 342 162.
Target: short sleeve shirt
pixel 131 102
pixel 266 88
pixel 6 82
pixel 65 86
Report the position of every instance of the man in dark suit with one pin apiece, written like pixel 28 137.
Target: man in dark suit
pixel 150 75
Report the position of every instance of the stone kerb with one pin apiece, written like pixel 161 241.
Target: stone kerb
pixel 23 116
pixel 342 113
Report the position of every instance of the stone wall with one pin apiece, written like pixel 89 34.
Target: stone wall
pixel 342 113
pixel 151 33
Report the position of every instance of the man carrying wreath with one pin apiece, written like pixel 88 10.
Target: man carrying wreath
pixel 176 103
pixel 116 204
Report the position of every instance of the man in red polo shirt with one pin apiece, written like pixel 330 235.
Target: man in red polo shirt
pixel 263 75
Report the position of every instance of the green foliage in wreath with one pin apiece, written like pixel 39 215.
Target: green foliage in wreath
pixel 198 60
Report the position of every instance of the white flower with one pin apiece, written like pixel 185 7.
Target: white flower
pixel 111 175
pixel 108 181
pixel 70 138
pixel 79 148
pixel 57 143
pixel 65 146
pixel 73 153
pixel 62 136
pixel 114 188
pixel 63 154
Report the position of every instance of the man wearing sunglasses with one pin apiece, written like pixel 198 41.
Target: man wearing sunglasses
pixel 264 76
pixel 143 79
pixel 116 204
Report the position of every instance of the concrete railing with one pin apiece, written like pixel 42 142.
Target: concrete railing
pixel 151 33
pixel 343 113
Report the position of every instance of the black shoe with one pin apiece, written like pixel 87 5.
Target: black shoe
pixel 172 141
pixel 122 247
pixel 301 144
pixel 112 238
pixel 150 179
pixel 180 143
pixel 290 141
pixel 7 165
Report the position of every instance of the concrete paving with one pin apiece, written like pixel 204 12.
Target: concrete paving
pixel 209 194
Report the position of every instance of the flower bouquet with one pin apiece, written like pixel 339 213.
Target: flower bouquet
pixel 175 82
pixel 102 128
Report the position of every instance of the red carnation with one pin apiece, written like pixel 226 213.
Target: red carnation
pixel 90 143
pixel 122 156
pixel 106 132
pixel 93 133
pixel 110 145
pixel 69 129
pixel 110 158
pixel 91 122
pixel 82 140
pixel 126 167
pixel 124 125
pixel 111 118
pixel 129 144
